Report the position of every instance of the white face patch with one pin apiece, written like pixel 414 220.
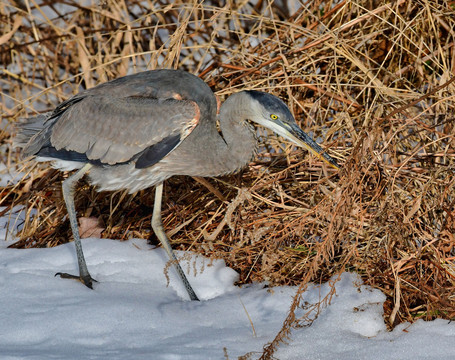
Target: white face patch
pixel 280 130
pixel 305 142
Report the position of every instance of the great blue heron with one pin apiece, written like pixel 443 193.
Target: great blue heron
pixel 137 131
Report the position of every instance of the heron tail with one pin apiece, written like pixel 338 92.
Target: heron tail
pixel 32 134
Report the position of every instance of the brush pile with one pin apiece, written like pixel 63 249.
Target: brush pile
pixel 372 81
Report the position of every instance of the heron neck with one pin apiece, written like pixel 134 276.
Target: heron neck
pixel 237 133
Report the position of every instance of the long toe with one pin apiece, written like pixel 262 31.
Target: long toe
pixel 87 280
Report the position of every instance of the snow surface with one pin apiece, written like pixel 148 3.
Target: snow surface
pixel 133 314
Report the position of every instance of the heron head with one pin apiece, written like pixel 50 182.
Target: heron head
pixel 272 113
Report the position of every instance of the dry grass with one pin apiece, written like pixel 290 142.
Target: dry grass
pixel 372 81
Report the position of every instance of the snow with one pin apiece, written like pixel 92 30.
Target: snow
pixel 133 313
pixel 8 176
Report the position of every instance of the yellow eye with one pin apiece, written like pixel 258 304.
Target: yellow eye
pixel 273 116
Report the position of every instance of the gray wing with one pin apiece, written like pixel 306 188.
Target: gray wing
pixel 113 130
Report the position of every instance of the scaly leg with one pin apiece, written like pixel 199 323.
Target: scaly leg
pixel 68 196
pixel 157 226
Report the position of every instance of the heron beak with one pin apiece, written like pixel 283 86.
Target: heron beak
pixel 302 139
pixel 293 133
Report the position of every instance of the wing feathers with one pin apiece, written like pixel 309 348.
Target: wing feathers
pixel 156 152
pixel 116 130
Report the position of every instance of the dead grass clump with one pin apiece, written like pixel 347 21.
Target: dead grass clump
pixel 372 81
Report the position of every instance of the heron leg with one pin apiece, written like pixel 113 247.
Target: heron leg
pixel 158 228
pixel 68 196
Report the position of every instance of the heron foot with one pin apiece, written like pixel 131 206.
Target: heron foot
pixel 87 280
